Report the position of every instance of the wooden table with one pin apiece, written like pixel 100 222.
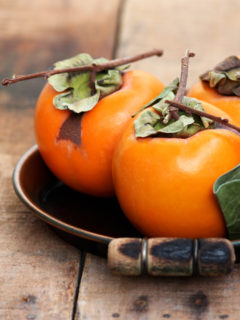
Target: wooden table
pixel 41 276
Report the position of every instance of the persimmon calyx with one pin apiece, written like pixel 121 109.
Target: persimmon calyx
pixel 225 77
pixel 81 91
pixel 226 189
pixel 158 120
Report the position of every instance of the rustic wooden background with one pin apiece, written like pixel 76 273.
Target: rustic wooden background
pixel 41 276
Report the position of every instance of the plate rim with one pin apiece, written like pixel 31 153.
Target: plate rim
pixel 44 215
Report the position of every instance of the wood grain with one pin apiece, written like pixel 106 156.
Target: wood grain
pixel 38 271
pixel 104 296
pixel 208 28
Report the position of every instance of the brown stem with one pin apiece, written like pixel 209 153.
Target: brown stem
pixel 189 110
pixel 182 84
pixel 183 77
pixel 93 68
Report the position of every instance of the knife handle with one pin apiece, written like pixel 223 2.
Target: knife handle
pixel 171 256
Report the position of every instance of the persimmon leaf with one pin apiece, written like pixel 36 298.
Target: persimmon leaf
pixel 225 77
pixel 162 122
pixel 144 124
pixel 81 94
pixel 62 81
pixel 227 191
pixel 215 78
pixel 108 82
pixel 85 104
pixel 178 125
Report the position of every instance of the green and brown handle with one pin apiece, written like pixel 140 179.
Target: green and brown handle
pixel 171 256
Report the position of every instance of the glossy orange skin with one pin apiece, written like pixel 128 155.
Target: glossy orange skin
pixel 87 167
pixel 228 104
pixel 164 185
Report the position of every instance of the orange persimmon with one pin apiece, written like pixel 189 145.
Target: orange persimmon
pixel 229 104
pixel 77 148
pixel 164 184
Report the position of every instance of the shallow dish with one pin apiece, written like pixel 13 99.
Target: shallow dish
pixel 88 222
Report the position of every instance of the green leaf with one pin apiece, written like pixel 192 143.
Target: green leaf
pixel 108 82
pixel 85 104
pixel 215 78
pixel 197 105
pixel 144 125
pixel 80 96
pixel 148 124
pixel 62 81
pixel 163 108
pixel 227 191
pixel 234 74
pixel 172 87
pixel 60 101
pixel 178 125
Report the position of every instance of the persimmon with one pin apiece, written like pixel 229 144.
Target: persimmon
pixel 78 148
pixel 166 163
pixel 220 87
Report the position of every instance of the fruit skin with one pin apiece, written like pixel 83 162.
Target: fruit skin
pixel 87 167
pixel 228 104
pixel 164 185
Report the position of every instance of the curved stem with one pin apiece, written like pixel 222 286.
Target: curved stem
pixel 92 68
pixel 182 84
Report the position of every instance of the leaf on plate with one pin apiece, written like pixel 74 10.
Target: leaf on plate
pixel 227 191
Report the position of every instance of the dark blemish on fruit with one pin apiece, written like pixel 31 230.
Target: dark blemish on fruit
pixel 71 129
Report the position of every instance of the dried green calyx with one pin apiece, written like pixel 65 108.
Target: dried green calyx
pixel 79 91
pixel 159 120
pixel 225 77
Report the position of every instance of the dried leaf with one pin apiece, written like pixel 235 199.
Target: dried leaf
pixel 225 77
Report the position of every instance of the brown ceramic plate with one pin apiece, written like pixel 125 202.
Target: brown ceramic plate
pixel 87 222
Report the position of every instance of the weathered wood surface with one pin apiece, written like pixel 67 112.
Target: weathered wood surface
pixel 104 296
pixel 38 270
pixel 206 27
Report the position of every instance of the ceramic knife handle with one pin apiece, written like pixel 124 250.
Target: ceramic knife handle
pixel 171 256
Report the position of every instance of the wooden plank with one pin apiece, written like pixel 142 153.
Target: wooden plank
pixel 104 296
pixel 38 270
pixel 207 28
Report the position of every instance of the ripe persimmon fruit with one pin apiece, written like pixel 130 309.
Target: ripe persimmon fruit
pixel 221 87
pixel 78 149
pixel 164 184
